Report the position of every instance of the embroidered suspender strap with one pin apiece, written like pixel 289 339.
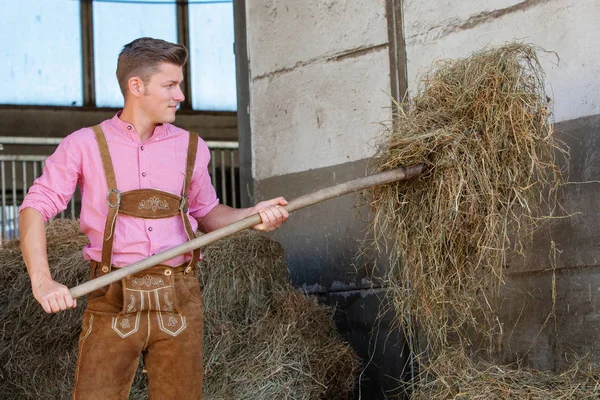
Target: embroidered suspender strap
pixel 185 203
pixel 113 198
pixel 149 204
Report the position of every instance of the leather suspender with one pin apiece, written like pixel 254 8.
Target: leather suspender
pixel 113 198
pixel 185 202
pixel 143 203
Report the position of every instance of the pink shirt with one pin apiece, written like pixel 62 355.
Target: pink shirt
pixel 159 163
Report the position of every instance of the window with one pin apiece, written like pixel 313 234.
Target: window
pixel 40 65
pixel 45 66
pixel 117 23
pixel 212 61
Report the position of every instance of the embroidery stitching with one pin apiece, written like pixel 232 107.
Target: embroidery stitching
pixel 147 281
pixel 172 323
pixel 173 330
pixel 169 309
pixel 123 331
pixel 154 203
pixel 131 306
pixel 169 304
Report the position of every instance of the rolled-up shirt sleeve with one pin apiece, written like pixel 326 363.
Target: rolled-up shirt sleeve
pixel 51 192
pixel 202 195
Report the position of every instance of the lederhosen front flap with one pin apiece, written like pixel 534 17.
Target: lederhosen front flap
pixel 143 203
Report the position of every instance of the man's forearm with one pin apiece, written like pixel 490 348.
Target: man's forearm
pixel 221 216
pixel 51 295
pixel 33 244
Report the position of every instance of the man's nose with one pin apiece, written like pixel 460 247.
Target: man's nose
pixel 179 96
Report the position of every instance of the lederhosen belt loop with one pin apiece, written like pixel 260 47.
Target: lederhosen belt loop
pixel 113 199
pixel 183 209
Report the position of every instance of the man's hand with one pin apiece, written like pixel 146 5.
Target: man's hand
pixel 272 214
pixel 52 296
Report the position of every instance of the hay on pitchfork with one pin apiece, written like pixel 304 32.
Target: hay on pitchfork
pixel 481 125
pixel 263 339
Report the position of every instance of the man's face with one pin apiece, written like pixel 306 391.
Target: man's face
pixel 162 93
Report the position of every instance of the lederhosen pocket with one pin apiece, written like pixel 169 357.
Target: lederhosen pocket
pixel 107 299
pixel 152 290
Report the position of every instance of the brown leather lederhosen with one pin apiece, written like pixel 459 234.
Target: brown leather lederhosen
pixel 156 312
pixel 143 203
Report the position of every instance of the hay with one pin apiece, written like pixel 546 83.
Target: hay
pixel 456 376
pixel 38 350
pixel 280 356
pixel 238 276
pixel 263 339
pixel 481 125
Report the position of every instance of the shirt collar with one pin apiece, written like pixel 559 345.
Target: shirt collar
pixel 128 129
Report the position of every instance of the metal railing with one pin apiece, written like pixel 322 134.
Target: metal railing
pixel 19 171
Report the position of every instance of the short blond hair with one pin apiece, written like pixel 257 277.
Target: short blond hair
pixel 142 56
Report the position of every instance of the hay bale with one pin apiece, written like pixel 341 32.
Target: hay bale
pixel 238 276
pixel 481 125
pixel 38 350
pixel 281 356
pixel 263 339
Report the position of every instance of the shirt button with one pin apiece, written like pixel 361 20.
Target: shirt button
pixel 142 148
pixel 150 228
pixel 143 174
pixel 129 127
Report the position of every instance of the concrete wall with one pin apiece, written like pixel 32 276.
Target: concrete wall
pixel 450 29
pixel 316 84
pixel 545 332
pixel 319 73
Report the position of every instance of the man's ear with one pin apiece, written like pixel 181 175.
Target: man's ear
pixel 136 86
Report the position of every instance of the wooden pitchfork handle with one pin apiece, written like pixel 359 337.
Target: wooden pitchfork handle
pixel 248 222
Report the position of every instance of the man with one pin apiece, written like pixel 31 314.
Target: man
pixel 145 188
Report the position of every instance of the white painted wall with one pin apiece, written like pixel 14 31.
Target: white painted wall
pixel 282 33
pixel 319 82
pixel 439 29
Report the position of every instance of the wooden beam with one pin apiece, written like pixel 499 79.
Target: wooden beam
pixel 183 37
pixel 397 49
pixel 87 52
pixel 243 103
